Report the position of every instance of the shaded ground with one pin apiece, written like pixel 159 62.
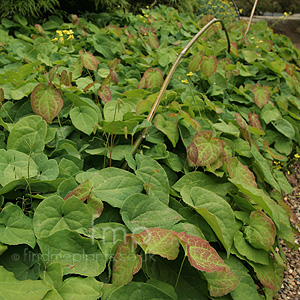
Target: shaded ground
pixel 291 284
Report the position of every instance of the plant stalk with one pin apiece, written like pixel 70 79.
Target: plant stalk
pixel 251 17
pixel 168 78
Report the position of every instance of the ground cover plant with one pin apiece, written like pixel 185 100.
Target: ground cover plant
pixel 195 211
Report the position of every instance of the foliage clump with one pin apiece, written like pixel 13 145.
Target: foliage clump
pixel 198 210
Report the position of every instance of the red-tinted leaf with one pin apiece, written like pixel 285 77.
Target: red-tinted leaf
pixel 152 40
pixel 89 86
pixel 261 95
pixel 243 127
pixel 195 124
pixel 132 39
pixel 75 19
pixel 158 241
pixel 66 78
pixel 95 205
pixel 82 191
pixel 221 283
pixel 274 155
pixel 89 61
pixel 234 48
pixel 52 73
pixel 126 30
pixel 112 64
pixel 142 84
pixel 116 30
pixel 209 65
pixel 289 69
pixel 126 263
pixel 201 254
pixel 114 76
pixel 104 94
pixel 46 102
pixel 241 172
pixel 1 95
pixel 40 29
pixel 261 231
pixel 195 63
pixel 143 29
pixel 254 120
pixel 153 78
pixel 204 149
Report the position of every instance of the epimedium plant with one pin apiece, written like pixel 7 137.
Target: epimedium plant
pixel 195 210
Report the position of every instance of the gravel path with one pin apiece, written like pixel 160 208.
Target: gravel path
pixel 290 288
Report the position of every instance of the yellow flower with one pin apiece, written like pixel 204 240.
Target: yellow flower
pixel 61 40
pixel 297 155
pixel 70 37
pixel 184 81
pixel 59 32
pixel 190 74
pixel 55 39
pixel 179 78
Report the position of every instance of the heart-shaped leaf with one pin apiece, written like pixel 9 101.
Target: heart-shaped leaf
pixel 104 93
pixel 89 61
pixel 46 101
pixel 261 95
pixel 195 64
pixel 209 65
pixel 261 231
pixel 168 127
pixel 84 118
pixel 153 78
pixel 254 120
pixel 204 149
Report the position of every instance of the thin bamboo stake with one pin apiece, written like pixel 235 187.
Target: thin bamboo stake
pixel 168 78
pixel 251 17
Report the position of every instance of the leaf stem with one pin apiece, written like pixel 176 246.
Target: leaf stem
pixel 178 276
pixel 168 78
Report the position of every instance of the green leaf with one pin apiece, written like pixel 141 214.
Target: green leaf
pixel 15 227
pixel 166 56
pixel 77 254
pixel 204 149
pixel 270 113
pixel 28 135
pixel 215 210
pixel 77 288
pixel 53 274
pixel 140 212
pixel 158 241
pixel 84 118
pixel 221 283
pixel 245 249
pixel 241 172
pixel 54 214
pixel 261 231
pixel 11 288
pixel 82 191
pixel 152 40
pixel 126 262
pixel 168 127
pixel 154 177
pixel 284 127
pixel 89 61
pixel 46 101
pixel 112 185
pixel 140 290
pixel 250 56
pixel 15 165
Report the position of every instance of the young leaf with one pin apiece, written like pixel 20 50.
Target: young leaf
pixel 46 101
pixel 126 262
pixel 261 231
pixel 254 120
pixel 114 76
pixel 89 61
pixel 261 95
pixel 104 93
pixel 152 40
pixel 195 64
pixel 82 191
pixel 204 149
pixel 153 78
pixel 1 96
pixel 209 65
pixel 243 127
pixel 201 254
pixel 84 118
pixel 66 78
pixel 158 241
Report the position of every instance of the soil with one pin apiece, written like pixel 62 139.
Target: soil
pixel 290 288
